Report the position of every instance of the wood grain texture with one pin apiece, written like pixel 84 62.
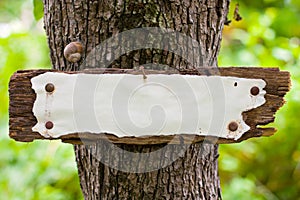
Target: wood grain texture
pixel 22 97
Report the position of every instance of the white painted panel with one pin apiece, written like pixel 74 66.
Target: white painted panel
pixel 128 105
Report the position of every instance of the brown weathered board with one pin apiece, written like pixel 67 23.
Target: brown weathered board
pixel 22 97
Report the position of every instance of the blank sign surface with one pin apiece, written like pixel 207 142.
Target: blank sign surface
pixel 129 105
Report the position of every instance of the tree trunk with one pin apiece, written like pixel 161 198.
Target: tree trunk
pixel 134 171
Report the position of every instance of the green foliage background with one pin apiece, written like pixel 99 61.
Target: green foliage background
pixel 263 168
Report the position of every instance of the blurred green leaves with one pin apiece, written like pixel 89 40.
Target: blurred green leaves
pixel 265 168
pixel 38 9
pixel 42 169
pixel 10 10
pixel 38 170
pixel 267 36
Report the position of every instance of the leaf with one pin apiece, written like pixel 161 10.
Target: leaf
pixel 38 11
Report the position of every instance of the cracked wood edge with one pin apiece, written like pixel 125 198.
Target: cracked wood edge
pixel 22 97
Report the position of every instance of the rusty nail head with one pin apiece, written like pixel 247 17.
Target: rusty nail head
pixel 49 125
pixel 233 126
pixel 49 87
pixel 254 91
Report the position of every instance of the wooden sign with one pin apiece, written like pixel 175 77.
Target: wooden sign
pixel 90 105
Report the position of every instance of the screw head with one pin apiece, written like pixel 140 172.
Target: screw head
pixel 49 125
pixel 233 126
pixel 49 87
pixel 254 91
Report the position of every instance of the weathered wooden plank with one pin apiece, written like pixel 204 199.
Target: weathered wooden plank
pixel 22 97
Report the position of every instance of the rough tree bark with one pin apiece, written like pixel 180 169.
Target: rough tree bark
pixel 194 175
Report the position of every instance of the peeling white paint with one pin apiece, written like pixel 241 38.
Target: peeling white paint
pixel 128 105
